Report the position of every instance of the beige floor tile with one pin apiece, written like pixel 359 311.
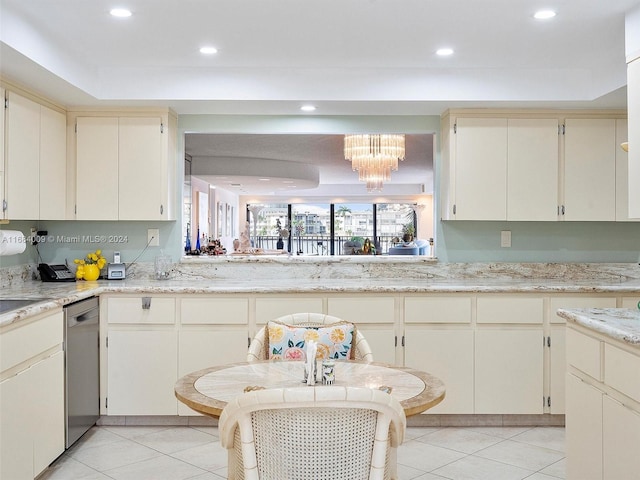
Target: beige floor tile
pixel 540 476
pixel 459 439
pixel 557 470
pixel 547 437
pixel 530 457
pixel 133 431
pixel 209 476
pixel 114 455
pixel 175 439
pixel 474 468
pixel 66 468
pixel 502 432
pixel 425 457
pixel 156 468
pixel 210 456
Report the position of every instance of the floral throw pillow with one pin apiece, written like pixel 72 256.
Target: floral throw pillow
pixel 287 342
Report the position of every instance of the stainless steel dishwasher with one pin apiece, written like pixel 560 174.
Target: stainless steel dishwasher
pixel 82 368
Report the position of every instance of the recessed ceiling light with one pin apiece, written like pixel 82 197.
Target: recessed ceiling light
pixel 544 14
pixel 308 108
pixel 443 52
pixel 120 12
pixel 208 50
pixel 264 179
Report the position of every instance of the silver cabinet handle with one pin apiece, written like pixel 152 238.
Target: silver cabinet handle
pixel 146 303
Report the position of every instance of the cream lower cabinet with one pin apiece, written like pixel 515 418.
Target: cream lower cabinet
pixel 555 397
pixel 375 318
pixel 213 331
pixel 274 306
pixel 509 354
pixel 142 351
pixel 603 407
pixel 439 339
pixel 583 430
pixel 31 397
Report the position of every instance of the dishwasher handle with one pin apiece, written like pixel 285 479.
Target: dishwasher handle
pixel 87 318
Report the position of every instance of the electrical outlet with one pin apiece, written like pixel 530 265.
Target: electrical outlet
pixel 153 237
pixel 505 238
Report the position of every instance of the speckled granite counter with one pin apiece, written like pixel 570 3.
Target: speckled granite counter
pixel 618 323
pixel 59 294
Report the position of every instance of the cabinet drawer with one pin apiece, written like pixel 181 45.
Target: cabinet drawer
pixel 146 310
pixel 437 310
pixel 363 309
pixel 274 307
pixel 510 310
pixel 194 311
pixel 30 339
pixel 621 371
pixel 584 353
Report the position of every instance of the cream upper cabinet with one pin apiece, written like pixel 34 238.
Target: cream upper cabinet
pixel 23 158
pixel 2 133
pixel 532 169
pixel 622 174
pixel 96 168
pixel 53 164
pixel 633 105
pixel 589 169
pixel 36 159
pixel 123 167
pixel 140 169
pixel 480 171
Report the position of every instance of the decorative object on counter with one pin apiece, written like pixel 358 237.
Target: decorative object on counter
pixel 162 267
pixel 368 248
pixel 187 242
pixel 311 362
pixel 353 246
pixel 408 231
pixel 282 233
pixel 89 267
pixel 197 252
pixel 215 247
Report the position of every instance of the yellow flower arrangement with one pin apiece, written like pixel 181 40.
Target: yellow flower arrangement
pixel 87 266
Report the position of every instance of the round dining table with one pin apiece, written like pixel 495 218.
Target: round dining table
pixel 209 390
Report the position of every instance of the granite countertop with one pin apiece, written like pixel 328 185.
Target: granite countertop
pixel 618 323
pixel 59 294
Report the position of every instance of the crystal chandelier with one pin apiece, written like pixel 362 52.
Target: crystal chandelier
pixel 374 156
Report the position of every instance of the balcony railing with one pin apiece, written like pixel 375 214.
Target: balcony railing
pixel 317 244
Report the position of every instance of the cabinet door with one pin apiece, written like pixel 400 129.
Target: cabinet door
pixel 509 371
pixel 481 169
pixel 447 354
pixel 622 174
pixel 2 135
pixel 620 440
pixel 375 319
pixel 53 164
pixel 557 368
pixel 16 442
pixel 273 307
pixel 142 371
pixel 47 411
pixel 201 348
pixel 140 169
pixel 633 105
pixel 23 158
pixel 590 169
pixel 583 422
pixel 32 430
pixel 532 169
pixel 97 168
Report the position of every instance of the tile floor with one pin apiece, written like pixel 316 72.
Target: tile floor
pixel 180 453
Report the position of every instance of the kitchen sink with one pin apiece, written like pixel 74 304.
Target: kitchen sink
pixel 8 304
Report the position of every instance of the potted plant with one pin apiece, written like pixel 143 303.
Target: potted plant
pixel 408 231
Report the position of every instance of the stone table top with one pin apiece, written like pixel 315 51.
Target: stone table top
pixel 621 324
pixel 208 391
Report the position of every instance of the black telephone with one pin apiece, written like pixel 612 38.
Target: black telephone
pixel 55 273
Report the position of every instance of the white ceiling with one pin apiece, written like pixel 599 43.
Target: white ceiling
pixel 347 57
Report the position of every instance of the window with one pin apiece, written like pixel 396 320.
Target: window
pixel 328 229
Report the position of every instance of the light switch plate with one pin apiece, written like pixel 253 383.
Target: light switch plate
pixel 505 238
pixel 153 237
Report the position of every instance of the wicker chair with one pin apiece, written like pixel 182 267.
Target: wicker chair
pixel 257 350
pixel 312 433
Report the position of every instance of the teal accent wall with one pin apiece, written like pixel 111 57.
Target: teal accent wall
pixel 68 240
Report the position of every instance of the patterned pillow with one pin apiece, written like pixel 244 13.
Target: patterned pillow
pixel 287 342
